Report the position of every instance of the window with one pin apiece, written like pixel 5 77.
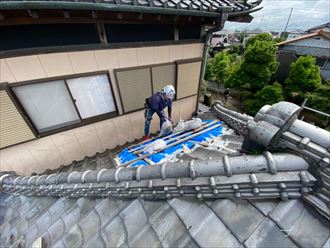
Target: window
pixel 62 103
pixel 137 84
pixel 92 95
pixel 48 105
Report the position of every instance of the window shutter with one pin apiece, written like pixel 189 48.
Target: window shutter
pixel 162 76
pixel 13 128
pixel 134 86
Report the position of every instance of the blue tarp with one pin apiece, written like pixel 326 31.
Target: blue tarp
pixel 126 156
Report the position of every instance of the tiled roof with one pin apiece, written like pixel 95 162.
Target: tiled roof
pixel 171 223
pixel 176 222
pixel 187 7
pixel 319 27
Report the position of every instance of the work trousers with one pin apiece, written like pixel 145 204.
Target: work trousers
pixel 148 113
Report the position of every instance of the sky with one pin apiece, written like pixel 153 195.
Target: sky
pixel 274 15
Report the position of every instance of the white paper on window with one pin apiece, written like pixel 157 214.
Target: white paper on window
pixel 48 105
pixel 93 95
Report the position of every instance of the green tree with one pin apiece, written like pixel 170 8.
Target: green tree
pixel 259 37
pixel 221 66
pixel 236 49
pixel 304 77
pixel 320 99
pixel 278 39
pixel 202 91
pixel 269 94
pixel 258 65
pixel 209 70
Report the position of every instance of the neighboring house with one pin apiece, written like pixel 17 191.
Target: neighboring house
pixel 316 44
pixel 295 34
pixel 75 74
pixel 325 27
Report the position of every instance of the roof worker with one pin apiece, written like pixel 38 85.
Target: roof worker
pixel 156 104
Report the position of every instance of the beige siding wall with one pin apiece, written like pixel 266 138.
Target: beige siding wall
pixel 52 151
pixel 13 128
pixel 188 79
pixel 62 148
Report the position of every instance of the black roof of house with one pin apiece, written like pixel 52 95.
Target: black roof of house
pixel 202 8
pixel 319 27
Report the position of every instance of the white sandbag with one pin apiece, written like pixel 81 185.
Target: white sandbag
pixel 179 127
pixel 166 128
pixel 155 145
pixel 188 125
pixel 193 124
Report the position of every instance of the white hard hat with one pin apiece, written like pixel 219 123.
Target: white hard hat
pixel 169 91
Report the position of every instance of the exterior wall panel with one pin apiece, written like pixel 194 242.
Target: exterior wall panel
pixel 68 146
pixel 26 68
pixel 188 79
pixel 145 56
pixel 5 74
pixel 19 159
pixel 88 139
pixel 107 133
pixel 127 57
pixel 62 66
pixel 83 61
pixel 176 52
pixel 13 128
pixel 161 54
pixel 45 152
pixel 304 51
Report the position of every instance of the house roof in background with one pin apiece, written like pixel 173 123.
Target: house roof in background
pixel 307 36
pixel 255 31
pixel 319 27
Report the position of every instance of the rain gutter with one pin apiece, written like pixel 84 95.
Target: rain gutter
pixel 208 36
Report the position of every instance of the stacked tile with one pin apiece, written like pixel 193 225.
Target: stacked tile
pixel 273 176
pixel 276 128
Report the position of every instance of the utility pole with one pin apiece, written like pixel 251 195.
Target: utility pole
pixel 287 23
